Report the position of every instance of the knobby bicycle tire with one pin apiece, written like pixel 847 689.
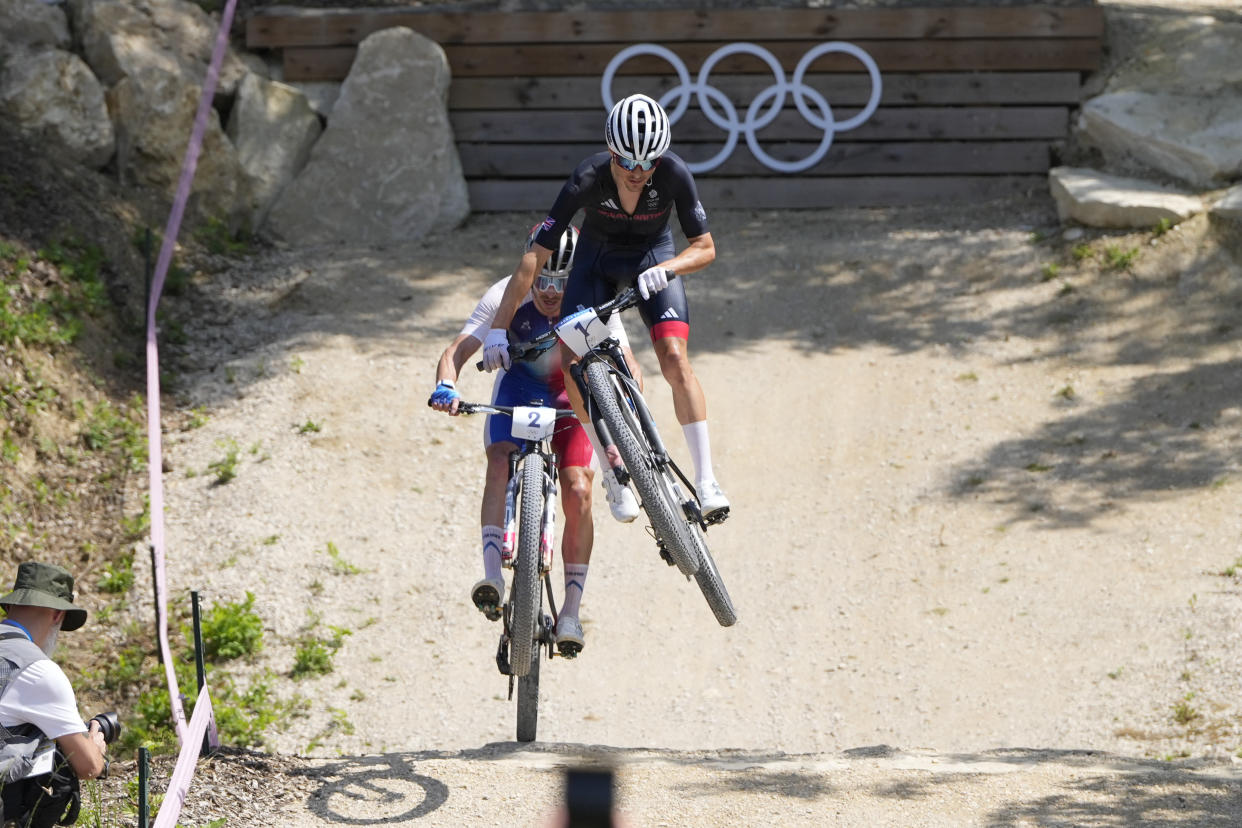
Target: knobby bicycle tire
pixel 662 508
pixel 528 700
pixel 527 588
pixel 710 583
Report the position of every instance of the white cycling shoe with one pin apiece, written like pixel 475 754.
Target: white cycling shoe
pixel 711 499
pixel 488 597
pixel 621 500
pixel 569 639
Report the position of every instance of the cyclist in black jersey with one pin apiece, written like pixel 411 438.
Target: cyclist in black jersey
pixel 628 195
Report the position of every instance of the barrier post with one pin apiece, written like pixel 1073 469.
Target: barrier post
pixel 144 786
pixel 200 664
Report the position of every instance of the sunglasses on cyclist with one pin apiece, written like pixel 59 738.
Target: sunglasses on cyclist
pixel 553 283
pixel 629 166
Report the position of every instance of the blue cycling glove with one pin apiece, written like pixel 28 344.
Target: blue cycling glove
pixel 444 394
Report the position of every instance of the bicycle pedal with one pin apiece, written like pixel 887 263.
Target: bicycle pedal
pixel 569 649
pixel 718 516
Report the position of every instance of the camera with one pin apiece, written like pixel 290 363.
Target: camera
pixel 109 725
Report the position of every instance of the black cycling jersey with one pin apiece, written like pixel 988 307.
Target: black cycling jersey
pixel 591 189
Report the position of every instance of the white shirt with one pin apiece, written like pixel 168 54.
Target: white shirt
pixel 42 695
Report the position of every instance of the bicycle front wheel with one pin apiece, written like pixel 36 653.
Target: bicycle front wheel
pixel 527 590
pixel 710 583
pixel 528 700
pixel 661 506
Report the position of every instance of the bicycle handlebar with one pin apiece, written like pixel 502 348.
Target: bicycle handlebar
pixel 519 351
pixel 487 408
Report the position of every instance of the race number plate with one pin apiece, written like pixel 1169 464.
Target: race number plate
pixel 533 423
pixel 582 331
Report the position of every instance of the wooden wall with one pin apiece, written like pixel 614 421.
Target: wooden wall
pixel 974 99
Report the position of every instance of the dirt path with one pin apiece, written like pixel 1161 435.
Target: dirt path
pixel 976 509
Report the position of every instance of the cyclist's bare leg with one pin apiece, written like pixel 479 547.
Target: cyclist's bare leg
pixel 576 553
pixel 488 593
pixel 492 510
pixel 688 401
pixel 691 409
pixel 579 532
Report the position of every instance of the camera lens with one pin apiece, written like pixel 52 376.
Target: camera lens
pixel 109 726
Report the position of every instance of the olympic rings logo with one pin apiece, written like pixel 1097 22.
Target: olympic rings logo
pixel 755 121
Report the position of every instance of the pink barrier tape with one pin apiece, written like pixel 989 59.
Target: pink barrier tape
pixel 154 448
pixel 187 759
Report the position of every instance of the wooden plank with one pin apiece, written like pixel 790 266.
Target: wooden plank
pixel 285 27
pixel 863 158
pixel 777 193
pixel 933 88
pixel 886 124
pixel 1083 54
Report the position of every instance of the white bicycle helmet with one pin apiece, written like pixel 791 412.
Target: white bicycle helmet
pixel 562 257
pixel 638 129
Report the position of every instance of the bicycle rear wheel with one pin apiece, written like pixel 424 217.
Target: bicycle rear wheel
pixel 528 700
pixel 527 590
pixel 662 508
pixel 710 583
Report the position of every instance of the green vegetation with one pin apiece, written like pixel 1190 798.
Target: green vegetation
pixel 118 575
pixel 215 236
pixel 340 566
pixel 232 630
pixel 314 655
pixel 225 469
pixel 1117 259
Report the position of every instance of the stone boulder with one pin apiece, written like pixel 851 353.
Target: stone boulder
pixel 1173 103
pixel 273 128
pixel 1193 139
pixel 1100 200
pixel 386 168
pixel 51 94
pixel 31 25
pixel 154 116
pixel 1230 205
pixel 120 38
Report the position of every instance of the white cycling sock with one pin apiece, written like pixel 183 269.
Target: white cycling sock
pixel 700 451
pixel 575 583
pixel 589 427
pixel 493 537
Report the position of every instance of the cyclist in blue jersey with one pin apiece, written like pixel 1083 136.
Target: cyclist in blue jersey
pixel 628 195
pixel 535 382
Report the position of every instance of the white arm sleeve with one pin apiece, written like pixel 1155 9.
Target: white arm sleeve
pixel 480 321
pixel 42 696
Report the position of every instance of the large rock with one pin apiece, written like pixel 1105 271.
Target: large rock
pixel 1172 104
pixel 154 116
pixel 1175 54
pixel 386 169
pixel 31 24
pixel 273 128
pixel 1100 200
pixel 51 94
pixel 1197 140
pixel 120 38
pixel 1230 205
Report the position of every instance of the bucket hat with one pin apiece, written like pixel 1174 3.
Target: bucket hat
pixel 45 585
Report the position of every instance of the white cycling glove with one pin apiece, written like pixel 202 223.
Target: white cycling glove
pixel 496 349
pixel 653 280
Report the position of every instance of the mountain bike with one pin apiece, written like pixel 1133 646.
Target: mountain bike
pixel 622 420
pixel 529 539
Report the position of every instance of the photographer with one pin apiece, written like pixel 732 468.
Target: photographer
pixel 45 747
